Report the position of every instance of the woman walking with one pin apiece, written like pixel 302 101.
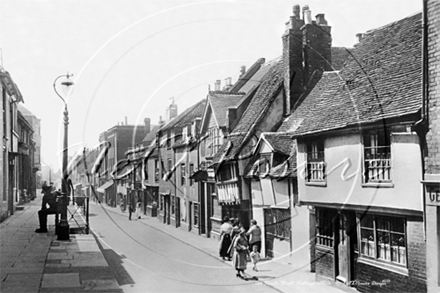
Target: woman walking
pixel 241 252
pixel 137 215
pixel 225 238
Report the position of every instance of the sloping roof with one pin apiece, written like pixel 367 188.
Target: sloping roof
pixel 383 79
pixel 258 106
pixel 288 168
pixel 187 116
pixel 280 143
pixel 152 134
pixel 339 56
pixel 220 104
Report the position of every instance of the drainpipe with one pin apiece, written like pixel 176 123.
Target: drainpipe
pixel 420 126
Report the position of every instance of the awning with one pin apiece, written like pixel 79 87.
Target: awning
pixel 103 187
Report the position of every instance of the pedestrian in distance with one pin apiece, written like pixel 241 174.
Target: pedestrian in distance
pixel 138 210
pixel 241 253
pixel 48 207
pixel 225 238
pixel 255 257
pixel 254 235
pixel 130 211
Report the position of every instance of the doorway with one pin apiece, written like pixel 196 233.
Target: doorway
pixel 346 244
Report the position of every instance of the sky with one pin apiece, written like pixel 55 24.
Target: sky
pixel 129 57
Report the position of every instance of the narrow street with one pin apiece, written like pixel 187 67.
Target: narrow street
pixel 148 260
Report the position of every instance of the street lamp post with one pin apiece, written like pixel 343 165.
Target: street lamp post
pixel 63 226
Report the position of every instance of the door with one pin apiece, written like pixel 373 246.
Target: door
pixel 269 232
pixel 177 211
pixel 343 245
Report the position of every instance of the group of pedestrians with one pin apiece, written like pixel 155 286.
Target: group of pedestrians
pixel 137 215
pixel 238 245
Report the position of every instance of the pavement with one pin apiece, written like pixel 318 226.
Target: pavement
pixel 38 262
pixel 34 262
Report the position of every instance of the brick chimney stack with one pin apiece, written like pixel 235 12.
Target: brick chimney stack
pixel 292 59
pixel 147 123
pixel 317 43
pixel 171 111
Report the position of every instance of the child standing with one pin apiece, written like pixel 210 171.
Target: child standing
pixel 255 256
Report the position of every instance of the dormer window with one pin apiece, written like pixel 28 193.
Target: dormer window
pixel 377 157
pixel 315 171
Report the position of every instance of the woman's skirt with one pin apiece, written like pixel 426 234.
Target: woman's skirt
pixel 240 259
pixel 225 242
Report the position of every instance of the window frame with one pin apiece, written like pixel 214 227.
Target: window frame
pixel 375 256
pixel 156 171
pixel 182 174
pixel 372 141
pixel 195 209
pixel 325 228
pixel 315 163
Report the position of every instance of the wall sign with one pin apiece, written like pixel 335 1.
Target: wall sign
pixel 433 194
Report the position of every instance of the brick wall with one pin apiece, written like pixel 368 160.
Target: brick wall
pixel 432 160
pixel 324 264
pixel 416 279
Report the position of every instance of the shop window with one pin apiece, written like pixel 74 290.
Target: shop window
pixel 196 214
pixel 324 227
pixel 377 157
pixel 383 238
pixel 315 171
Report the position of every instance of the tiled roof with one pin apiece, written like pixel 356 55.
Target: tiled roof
pixel 187 116
pixel 287 168
pixel 258 106
pixel 339 56
pixel 383 79
pixel 281 143
pixel 152 134
pixel 220 104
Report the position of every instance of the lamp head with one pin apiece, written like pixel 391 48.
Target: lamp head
pixel 67 85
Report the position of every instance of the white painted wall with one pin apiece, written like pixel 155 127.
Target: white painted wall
pixel 343 156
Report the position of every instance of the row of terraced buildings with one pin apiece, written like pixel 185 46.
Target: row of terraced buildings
pixel 334 151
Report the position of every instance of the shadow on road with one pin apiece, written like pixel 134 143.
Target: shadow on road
pixel 114 261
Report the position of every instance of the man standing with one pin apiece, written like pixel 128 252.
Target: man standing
pixel 130 211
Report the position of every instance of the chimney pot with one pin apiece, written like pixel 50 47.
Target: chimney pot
pixel 359 36
pixel 217 84
pixel 308 17
pixel 320 19
pixel 296 11
pixel 304 9
pixel 242 70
